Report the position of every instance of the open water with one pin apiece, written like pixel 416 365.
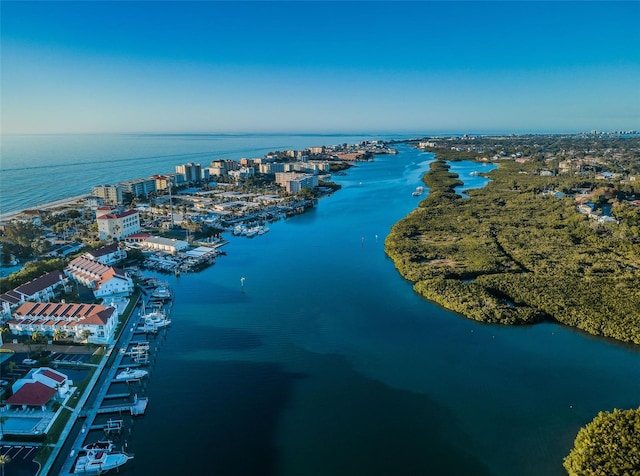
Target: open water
pixel 325 362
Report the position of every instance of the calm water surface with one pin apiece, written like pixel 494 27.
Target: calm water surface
pixel 329 364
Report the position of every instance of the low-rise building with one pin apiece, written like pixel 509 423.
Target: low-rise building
pixel 83 322
pixel 109 254
pixel 44 288
pixel 38 388
pixel 166 245
pixel 103 280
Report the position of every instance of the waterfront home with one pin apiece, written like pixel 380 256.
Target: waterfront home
pixel 91 322
pixel 102 279
pixel 38 388
pixel 44 288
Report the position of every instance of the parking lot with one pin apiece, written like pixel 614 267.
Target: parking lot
pixel 21 463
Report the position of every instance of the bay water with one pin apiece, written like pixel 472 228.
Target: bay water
pixel 323 361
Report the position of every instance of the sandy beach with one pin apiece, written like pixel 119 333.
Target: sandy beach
pixel 46 206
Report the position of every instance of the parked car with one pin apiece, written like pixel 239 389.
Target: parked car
pixel 29 362
pixel 3 383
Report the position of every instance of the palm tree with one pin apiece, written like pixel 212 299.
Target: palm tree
pixel 86 334
pixel 58 334
pixel 4 459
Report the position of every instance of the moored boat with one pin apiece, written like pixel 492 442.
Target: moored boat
pixel 101 445
pixel 131 374
pixel 99 461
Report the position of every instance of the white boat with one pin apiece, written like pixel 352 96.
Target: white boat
pixel 418 191
pixel 162 292
pixel 156 319
pixel 99 461
pixel 132 374
pixel 106 445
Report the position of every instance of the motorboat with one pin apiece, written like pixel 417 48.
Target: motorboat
pixel 156 319
pixel 99 461
pixel 161 293
pixel 101 445
pixel 131 374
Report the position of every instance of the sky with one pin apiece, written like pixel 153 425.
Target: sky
pixel 319 67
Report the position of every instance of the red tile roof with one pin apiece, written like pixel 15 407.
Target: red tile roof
pixel 35 393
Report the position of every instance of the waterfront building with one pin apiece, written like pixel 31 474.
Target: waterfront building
pixel 316 150
pixel 111 194
pixel 118 225
pixel 141 187
pixel 294 182
pixel 44 288
pixel 108 254
pixel 93 323
pixel 167 245
pixel 189 172
pixel 105 281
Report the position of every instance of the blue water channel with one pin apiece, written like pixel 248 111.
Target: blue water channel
pixel 323 361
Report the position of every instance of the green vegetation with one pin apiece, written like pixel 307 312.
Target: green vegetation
pixel 31 270
pixel 609 445
pixel 23 240
pixel 513 254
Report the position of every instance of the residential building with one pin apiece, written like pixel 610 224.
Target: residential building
pixel 189 172
pixel 141 187
pixel 44 288
pixel 119 225
pixel 111 194
pixel 84 322
pixel 104 280
pixel 243 173
pixel 294 182
pixel 109 254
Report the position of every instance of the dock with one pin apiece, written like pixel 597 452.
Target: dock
pixel 138 407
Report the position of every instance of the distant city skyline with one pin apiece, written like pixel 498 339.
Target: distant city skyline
pixel 319 67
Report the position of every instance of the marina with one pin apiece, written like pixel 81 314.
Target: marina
pixel 100 456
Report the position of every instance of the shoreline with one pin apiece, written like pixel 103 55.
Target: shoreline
pixel 45 206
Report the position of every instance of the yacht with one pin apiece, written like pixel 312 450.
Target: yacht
pixel 418 191
pixel 97 461
pixel 131 374
pixel 156 319
pixel 161 293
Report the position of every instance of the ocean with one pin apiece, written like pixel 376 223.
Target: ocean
pixel 38 169
pixel 325 362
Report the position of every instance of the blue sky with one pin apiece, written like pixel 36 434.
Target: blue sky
pixel 428 67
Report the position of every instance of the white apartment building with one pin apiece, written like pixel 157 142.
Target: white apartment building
pixel 119 225
pixel 294 182
pixel 72 319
